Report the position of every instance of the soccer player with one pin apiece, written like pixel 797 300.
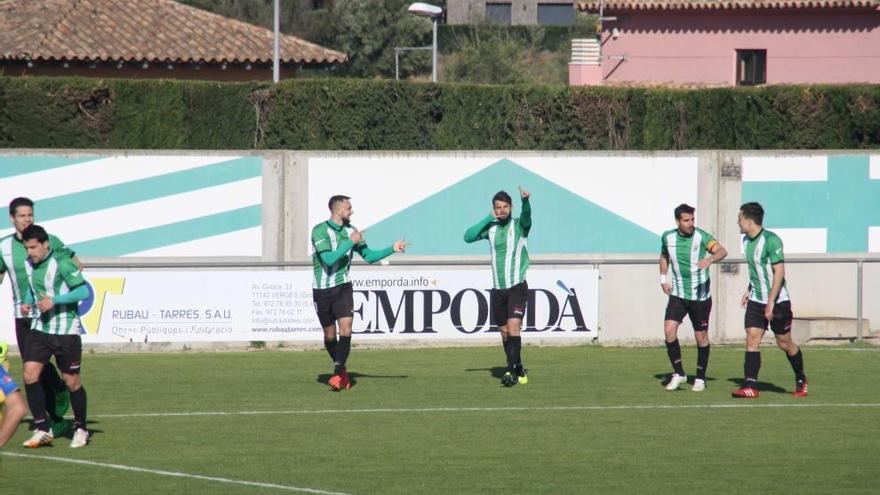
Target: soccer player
pixel 56 288
pixel 13 258
pixel 334 243
pixel 12 406
pixel 688 251
pixel 507 238
pixel 766 300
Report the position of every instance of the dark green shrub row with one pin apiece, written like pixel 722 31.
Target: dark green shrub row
pixel 349 114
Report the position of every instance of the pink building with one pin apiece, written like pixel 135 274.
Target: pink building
pixel 734 42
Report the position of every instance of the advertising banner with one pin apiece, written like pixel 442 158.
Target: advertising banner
pixel 389 304
pixel 142 205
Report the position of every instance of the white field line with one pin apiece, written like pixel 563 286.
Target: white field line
pixel 634 407
pixel 175 474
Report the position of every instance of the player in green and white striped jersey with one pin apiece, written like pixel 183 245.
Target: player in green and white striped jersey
pixel 334 243
pixel 766 300
pixel 687 251
pixel 13 260
pixel 507 238
pixel 56 288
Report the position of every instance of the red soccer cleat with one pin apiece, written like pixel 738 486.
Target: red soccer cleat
pixel 800 388
pixel 344 382
pixel 335 382
pixel 745 393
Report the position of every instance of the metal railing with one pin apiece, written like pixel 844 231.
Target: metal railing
pixel 597 262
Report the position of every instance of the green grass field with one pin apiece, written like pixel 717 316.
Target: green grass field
pixel 437 421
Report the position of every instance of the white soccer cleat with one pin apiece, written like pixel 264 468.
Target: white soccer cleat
pixel 675 381
pixel 699 385
pixel 80 438
pixel 39 439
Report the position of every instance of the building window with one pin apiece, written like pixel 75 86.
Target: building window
pixel 498 13
pixel 751 67
pixel 555 14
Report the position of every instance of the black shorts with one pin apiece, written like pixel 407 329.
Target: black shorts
pixel 22 331
pixel 698 311
pixel 782 316
pixel 509 303
pixel 67 350
pixel 333 303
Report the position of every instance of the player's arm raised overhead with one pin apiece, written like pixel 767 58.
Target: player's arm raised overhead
pixel 479 230
pixel 525 218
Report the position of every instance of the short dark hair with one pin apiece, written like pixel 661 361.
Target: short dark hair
pixel 502 196
pixel 334 200
pixel 15 203
pixel 753 211
pixel 682 209
pixel 34 231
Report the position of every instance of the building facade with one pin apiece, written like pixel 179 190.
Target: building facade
pixel 736 42
pixel 144 39
pixel 510 12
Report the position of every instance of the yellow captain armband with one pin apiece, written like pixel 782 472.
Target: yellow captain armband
pixel 712 245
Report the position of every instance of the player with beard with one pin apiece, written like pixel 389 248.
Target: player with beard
pixel 687 251
pixel 507 238
pixel 334 243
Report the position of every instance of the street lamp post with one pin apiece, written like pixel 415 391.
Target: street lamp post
pixel 433 12
pixel 276 23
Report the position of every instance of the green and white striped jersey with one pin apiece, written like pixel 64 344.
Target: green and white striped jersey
pixel 507 245
pixel 684 252
pixel 57 274
pixel 761 253
pixel 328 236
pixel 13 260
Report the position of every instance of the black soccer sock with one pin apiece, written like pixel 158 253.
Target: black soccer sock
pixel 673 350
pixel 702 361
pixel 797 364
pixel 36 400
pixel 51 376
pixel 506 344
pixel 751 367
pixel 78 404
pixel 342 351
pixel 49 398
pixel 330 345
pixel 515 344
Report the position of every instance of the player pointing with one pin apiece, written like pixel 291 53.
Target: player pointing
pixel 507 238
pixel 334 242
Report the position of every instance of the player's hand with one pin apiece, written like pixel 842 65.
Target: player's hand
pixel 704 263
pixel 357 237
pixel 667 288
pixel 400 246
pixel 768 311
pixel 744 300
pixel 45 304
pixel 25 310
pixel 523 193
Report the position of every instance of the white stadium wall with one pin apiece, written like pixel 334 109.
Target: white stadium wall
pixel 594 244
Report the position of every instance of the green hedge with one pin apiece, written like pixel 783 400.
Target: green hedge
pixel 348 114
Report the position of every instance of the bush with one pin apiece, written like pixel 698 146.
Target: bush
pixel 350 114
